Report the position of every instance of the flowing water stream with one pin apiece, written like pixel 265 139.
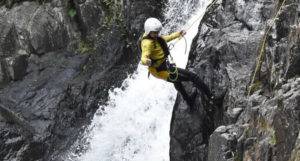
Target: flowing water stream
pixel 135 123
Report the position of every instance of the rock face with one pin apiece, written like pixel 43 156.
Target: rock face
pixel 58 60
pixel 263 125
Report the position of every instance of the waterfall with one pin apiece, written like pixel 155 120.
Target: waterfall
pixel 134 124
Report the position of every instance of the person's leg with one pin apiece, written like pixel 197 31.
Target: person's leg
pixel 189 99
pixel 177 78
pixel 185 75
pixel 179 87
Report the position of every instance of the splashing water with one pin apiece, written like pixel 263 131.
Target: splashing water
pixel 134 125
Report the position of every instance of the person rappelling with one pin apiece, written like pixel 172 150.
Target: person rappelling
pixel 155 54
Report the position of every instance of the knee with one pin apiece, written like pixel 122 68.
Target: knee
pixel 176 85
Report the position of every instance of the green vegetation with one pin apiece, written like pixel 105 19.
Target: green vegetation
pixel 71 12
pixel 263 124
pixel 237 157
pixel 262 46
pixel 113 10
pixel 268 130
pixel 273 138
pixel 85 47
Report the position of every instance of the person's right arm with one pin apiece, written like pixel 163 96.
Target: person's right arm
pixel 147 47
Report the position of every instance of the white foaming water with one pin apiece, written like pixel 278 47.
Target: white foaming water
pixel 134 125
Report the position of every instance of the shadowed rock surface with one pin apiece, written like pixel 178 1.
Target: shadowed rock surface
pixel 263 126
pixel 58 60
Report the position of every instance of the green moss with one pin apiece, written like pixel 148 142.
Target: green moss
pixel 296 153
pixel 71 9
pixel 247 132
pixel 85 47
pixel 113 10
pixel 263 124
pixel 268 130
pixel 72 12
pixel 238 157
pixel 273 138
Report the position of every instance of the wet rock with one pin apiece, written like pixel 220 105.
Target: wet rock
pixel 8 39
pixel 89 15
pixel 34 29
pixel 59 65
pixel 286 88
pixel 249 142
pixel 16 66
pixel 296 152
pixel 224 54
pixel 234 113
pixel 47 35
pixel 13 68
pixel 222 144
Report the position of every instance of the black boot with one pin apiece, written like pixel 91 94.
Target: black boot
pixel 190 100
pixel 201 85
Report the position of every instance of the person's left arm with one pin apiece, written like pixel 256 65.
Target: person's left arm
pixel 173 36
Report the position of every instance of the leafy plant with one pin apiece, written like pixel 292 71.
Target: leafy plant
pixel 85 47
pixel 72 12
pixel 273 139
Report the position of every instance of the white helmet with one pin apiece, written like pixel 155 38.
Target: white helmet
pixel 152 24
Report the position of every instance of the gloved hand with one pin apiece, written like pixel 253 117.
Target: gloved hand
pixel 182 32
pixel 148 62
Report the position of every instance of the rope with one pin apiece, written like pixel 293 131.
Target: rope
pixel 185 50
pixel 174 72
pixel 262 50
pixel 194 22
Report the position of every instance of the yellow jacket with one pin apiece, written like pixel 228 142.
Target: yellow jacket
pixel 151 49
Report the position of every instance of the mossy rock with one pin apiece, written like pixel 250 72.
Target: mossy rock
pixel 85 47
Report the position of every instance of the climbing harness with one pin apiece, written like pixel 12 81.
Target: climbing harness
pixel 262 51
pixel 173 71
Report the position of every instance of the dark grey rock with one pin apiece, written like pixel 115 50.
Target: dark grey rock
pixel 16 66
pixel 34 28
pixel 90 15
pixel 222 144
pixel 224 54
pixel 234 113
pixel 58 67
pixel 249 142
pixel 296 152
pixel 8 39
